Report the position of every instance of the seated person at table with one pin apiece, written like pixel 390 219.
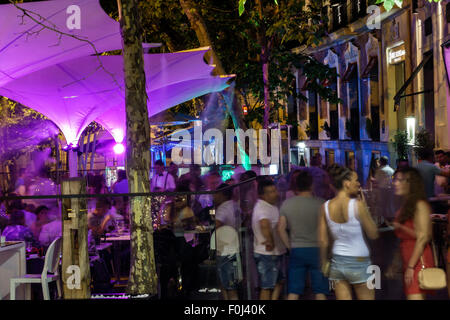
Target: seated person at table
pixel 177 214
pixel 18 205
pixel 173 247
pixel 41 220
pixel 51 230
pixel 99 220
pixel 17 231
pixel 115 212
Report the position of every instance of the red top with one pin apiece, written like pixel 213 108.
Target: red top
pixel 406 248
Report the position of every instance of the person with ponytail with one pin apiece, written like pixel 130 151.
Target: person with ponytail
pixel 342 224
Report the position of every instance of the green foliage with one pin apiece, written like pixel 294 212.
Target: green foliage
pixel 389 4
pixel 235 40
pixel 401 144
pixel 423 141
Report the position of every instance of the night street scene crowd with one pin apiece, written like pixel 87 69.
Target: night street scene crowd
pixel 311 233
pixel 224 150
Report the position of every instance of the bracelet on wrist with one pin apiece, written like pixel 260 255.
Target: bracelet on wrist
pixel 409 267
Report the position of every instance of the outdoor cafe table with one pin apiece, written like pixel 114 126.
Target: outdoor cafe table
pixel 13 265
pixel 117 239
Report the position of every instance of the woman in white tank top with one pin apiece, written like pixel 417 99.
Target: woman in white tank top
pixel 343 220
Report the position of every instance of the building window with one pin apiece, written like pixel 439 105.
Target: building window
pixel 350 160
pixel 428 26
pixel 329 157
pixel 339 13
pixel 352 79
pixel 371 72
pixel 447 12
pixel 313 152
pixel 313 116
pixel 334 113
pixel 359 8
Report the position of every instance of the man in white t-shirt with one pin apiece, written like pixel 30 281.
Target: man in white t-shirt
pixel 162 180
pixel 51 230
pixel 227 214
pixel 268 248
pixel 383 177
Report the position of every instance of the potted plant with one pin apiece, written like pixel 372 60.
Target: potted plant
pixel 423 141
pixel 401 144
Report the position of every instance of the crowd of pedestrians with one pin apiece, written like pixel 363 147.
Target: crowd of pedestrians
pixel 311 228
pixel 321 235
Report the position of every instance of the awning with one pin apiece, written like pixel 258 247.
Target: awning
pixel 350 72
pixel 26 46
pixel 427 56
pixel 373 60
pixel 74 93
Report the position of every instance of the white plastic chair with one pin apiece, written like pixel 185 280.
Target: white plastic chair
pixel 51 263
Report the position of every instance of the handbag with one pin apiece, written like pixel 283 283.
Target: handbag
pixel 431 278
pixel 326 268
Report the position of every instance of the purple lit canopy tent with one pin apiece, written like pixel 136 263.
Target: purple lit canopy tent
pixel 171 79
pixel 53 69
pixel 74 93
pixel 26 46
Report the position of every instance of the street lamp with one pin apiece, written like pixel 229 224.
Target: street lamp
pixel 411 129
pixel 301 145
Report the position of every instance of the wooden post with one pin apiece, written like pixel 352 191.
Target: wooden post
pixel 76 274
pixel 73 163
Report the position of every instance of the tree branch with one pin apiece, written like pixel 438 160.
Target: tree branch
pixel 28 13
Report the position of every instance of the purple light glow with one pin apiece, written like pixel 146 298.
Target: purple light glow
pixel 119 148
pixel 20 35
pixel 70 146
pixel 75 93
pixel 66 83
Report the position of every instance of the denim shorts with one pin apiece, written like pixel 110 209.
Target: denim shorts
pixel 351 269
pixel 304 261
pixel 270 270
pixel 227 271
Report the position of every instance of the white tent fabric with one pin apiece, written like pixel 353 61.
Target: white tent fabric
pixel 74 93
pixel 74 29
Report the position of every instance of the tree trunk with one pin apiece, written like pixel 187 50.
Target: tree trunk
pixel 143 278
pixel 199 26
pixel 262 40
